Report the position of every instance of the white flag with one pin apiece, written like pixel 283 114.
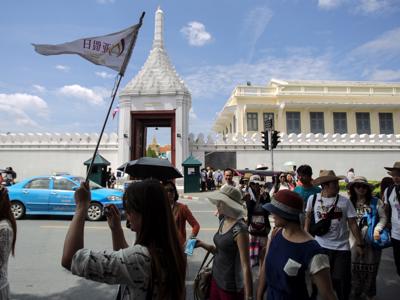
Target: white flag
pixel 108 50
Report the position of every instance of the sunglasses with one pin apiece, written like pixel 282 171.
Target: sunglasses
pixel 170 190
pixel 358 186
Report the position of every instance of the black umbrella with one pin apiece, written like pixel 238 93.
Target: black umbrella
pixel 149 167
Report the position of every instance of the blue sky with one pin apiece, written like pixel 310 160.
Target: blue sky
pixel 214 45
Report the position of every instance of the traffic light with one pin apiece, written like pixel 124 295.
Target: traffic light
pixel 275 139
pixel 264 140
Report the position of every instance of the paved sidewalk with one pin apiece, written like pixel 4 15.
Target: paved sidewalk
pixel 193 196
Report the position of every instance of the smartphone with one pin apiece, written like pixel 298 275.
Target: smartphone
pixel 106 211
pixel 190 244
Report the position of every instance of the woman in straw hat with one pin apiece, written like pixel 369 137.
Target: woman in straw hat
pixel 365 267
pixel 231 272
pixel 294 259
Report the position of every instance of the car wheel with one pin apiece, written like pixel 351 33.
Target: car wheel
pixel 18 209
pixel 95 212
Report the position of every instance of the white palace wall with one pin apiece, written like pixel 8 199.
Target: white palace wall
pixel 33 154
pixel 367 154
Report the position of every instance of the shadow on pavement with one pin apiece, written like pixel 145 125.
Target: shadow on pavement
pixel 85 290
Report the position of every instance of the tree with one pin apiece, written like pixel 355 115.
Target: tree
pixel 151 153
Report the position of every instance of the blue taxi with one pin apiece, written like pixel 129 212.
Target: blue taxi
pixel 54 195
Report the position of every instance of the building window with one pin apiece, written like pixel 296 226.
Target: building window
pixel 293 122
pixel 234 124
pixel 363 123
pixel 267 116
pixel 386 123
pixel 317 122
pixel 252 124
pixel 339 122
pixel 230 128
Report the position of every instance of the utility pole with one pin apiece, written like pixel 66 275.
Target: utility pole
pixel 269 125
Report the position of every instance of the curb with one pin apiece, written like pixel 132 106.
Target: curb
pixel 188 197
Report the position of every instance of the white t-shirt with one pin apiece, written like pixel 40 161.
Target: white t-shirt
pixel 337 237
pixel 395 219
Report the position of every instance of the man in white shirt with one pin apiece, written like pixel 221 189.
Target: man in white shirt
pixel 336 240
pixel 228 177
pixel 392 206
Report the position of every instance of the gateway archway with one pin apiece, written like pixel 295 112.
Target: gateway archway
pixel 141 120
pixel 155 97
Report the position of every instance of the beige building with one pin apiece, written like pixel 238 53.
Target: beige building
pixel 313 107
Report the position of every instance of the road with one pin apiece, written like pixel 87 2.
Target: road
pixel 36 272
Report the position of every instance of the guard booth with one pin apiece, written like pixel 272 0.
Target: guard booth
pixel 99 169
pixel 191 175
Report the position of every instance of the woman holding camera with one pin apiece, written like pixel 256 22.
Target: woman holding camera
pixel 144 269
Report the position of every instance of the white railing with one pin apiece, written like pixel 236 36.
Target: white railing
pixel 52 139
pixel 310 139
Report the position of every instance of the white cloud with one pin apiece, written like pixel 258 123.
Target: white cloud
pixel 365 7
pixel 105 1
pixel 374 6
pixel 80 92
pixel 385 75
pixel 39 88
pixel 329 4
pixel 62 68
pixel 104 75
pixel 255 23
pixel 192 114
pixel 196 34
pixel 222 79
pixel 386 44
pixel 19 109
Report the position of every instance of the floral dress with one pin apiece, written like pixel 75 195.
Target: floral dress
pixel 365 268
pixel 6 238
pixel 129 267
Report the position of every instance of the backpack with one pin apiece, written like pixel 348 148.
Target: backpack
pixel 387 194
pixel 371 219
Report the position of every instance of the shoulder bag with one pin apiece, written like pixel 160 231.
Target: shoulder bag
pixel 321 227
pixel 202 282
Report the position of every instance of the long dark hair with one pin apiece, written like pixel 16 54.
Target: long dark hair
pixel 6 213
pixel 171 183
pixel 385 183
pixel 353 195
pixel 159 234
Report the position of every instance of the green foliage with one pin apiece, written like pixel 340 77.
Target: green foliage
pixel 375 183
pixel 151 153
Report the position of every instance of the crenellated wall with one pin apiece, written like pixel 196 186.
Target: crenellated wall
pixel 45 153
pixel 31 154
pixel 367 154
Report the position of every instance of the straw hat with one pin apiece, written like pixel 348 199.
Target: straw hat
pixel 326 176
pixel 360 180
pixel 286 204
pixel 229 195
pixel 396 167
pixel 256 179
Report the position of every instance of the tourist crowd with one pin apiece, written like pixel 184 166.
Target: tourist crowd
pixel 325 244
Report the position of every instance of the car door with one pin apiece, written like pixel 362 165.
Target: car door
pixel 61 199
pixel 35 195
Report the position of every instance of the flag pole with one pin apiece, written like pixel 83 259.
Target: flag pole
pixel 120 75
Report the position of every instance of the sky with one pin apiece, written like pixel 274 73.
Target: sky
pixel 214 45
